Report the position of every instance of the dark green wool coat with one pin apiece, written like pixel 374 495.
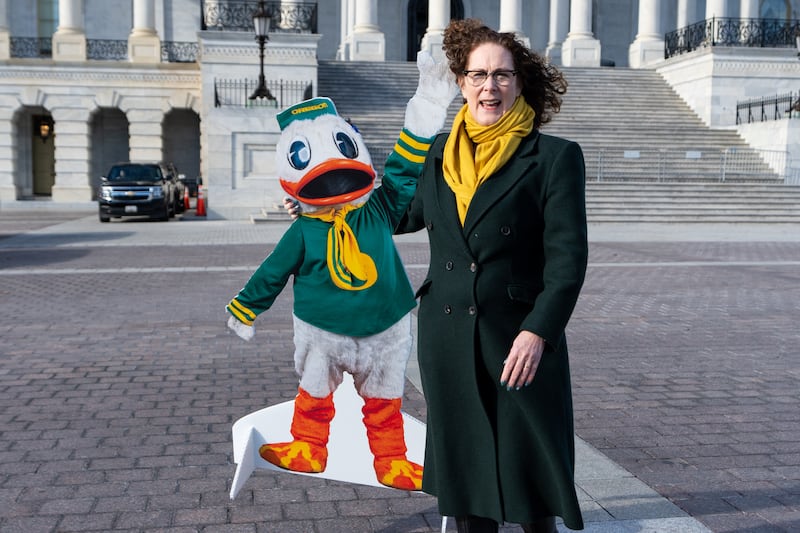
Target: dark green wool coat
pixel 517 264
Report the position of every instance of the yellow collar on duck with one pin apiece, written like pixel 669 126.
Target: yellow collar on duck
pixel 350 269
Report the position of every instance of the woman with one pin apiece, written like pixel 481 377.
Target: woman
pixel 505 213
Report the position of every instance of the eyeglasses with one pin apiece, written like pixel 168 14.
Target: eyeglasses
pixel 478 77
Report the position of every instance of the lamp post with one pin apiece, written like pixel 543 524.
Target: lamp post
pixel 261 21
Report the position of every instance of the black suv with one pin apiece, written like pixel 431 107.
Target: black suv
pixel 140 189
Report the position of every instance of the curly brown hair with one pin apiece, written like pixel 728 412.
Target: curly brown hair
pixel 542 83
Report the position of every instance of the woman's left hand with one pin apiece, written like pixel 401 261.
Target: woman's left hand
pixel 522 361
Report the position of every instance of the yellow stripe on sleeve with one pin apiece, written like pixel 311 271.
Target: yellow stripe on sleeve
pixel 414 158
pixel 414 143
pixel 242 313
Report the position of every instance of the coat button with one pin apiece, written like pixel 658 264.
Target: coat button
pixel 505 230
pixel 447 309
pixel 472 310
pixel 473 267
pixel 429 226
pixel 448 265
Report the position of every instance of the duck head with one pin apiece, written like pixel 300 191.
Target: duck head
pixel 322 160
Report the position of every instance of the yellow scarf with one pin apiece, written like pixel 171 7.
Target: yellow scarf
pixel 473 152
pixel 350 269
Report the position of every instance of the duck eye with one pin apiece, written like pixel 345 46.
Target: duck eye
pixel 299 153
pixel 346 145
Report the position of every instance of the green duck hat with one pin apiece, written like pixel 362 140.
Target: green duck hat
pixel 306 110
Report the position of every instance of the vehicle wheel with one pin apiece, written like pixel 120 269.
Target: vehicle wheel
pixel 104 218
pixel 164 215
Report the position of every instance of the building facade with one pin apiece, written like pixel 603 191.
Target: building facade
pixel 87 83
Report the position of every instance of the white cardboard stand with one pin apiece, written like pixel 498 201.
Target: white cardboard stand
pixel 349 457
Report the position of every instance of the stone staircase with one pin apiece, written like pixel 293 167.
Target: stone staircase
pixel 649 158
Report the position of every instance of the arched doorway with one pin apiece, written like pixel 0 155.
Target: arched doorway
pixel 34 145
pixel 181 133
pixel 110 142
pixel 43 154
pixel 418 23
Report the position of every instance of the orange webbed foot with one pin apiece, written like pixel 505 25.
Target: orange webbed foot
pixel 399 473
pixel 297 456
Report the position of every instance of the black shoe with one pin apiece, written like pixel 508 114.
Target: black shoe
pixel 475 524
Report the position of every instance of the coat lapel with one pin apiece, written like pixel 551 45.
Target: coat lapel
pixel 446 204
pixel 498 185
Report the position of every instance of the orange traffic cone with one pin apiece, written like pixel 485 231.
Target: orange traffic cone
pixel 201 204
pixel 186 198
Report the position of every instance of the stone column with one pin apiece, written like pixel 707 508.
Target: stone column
pixel 716 9
pixel 581 49
pixel 687 13
pixel 559 26
pixel 438 19
pixel 144 46
pixel 510 18
pixel 368 40
pixel 345 27
pixel 69 40
pixel 144 129
pixel 749 9
pixel 72 154
pixel 5 34
pixel 648 47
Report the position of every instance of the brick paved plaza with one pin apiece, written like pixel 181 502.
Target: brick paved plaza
pixel 119 382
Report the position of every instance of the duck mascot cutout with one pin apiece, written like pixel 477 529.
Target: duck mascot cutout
pixel 352 298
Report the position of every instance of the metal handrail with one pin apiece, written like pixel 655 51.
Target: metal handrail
pixel 107 49
pixel 104 49
pixel 236 93
pixel 31 46
pixel 237 15
pixel 725 31
pixel 698 165
pixel 768 108
pixel 180 52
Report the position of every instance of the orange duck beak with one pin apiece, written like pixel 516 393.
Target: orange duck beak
pixel 335 181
